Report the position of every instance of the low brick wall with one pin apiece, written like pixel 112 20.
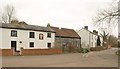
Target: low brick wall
pixel 7 52
pixel 40 51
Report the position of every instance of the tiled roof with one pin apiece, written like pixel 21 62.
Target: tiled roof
pixel 64 32
pixel 26 27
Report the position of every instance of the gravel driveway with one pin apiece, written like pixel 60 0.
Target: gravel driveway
pixel 106 58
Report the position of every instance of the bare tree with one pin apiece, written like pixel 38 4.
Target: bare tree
pixel 113 41
pixel 104 36
pixel 8 14
pixel 108 18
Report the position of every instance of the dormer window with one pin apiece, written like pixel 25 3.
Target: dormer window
pixel 13 33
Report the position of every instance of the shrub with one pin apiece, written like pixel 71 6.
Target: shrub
pixel 56 47
pixel 98 41
pixel 113 41
pixel 98 48
pixel 83 50
pixel 79 50
pixel 72 48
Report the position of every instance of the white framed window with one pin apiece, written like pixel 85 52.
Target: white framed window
pixel 49 35
pixel 31 35
pixel 13 33
pixel 31 44
pixel 41 36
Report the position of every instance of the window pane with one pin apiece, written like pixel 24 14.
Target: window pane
pixel 49 45
pixel 14 33
pixel 48 34
pixel 31 44
pixel 31 35
pixel 41 36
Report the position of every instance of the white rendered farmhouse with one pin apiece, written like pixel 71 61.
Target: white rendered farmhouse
pixel 21 35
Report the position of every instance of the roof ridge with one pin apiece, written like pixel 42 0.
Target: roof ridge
pixel 54 27
pixel 27 27
pixel 67 28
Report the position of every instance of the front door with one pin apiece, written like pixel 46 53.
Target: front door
pixel 14 45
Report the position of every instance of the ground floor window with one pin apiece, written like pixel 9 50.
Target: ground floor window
pixel 49 45
pixel 31 44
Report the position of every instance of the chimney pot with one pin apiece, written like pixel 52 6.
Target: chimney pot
pixel 22 23
pixel 86 27
pixel 96 32
pixel 48 25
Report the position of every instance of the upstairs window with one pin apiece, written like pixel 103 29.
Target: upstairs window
pixel 49 35
pixel 14 33
pixel 31 44
pixel 41 36
pixel 32 35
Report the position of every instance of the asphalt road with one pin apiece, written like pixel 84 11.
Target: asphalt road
pixel 105 58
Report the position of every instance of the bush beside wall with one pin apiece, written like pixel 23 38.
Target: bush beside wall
pixel 98 48
pixel 40 51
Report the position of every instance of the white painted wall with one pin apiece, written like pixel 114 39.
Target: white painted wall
pixel 87 39
pixel 84 37
pixel 23 35
pixel 94 40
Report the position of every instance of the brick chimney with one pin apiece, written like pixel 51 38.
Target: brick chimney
pixel 14 22
pixel 22 23
pixel 95 32
pixel 86 27
pixel 48 25
pixel 17 23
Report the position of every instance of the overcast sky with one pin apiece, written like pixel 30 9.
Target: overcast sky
pixel 73 14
